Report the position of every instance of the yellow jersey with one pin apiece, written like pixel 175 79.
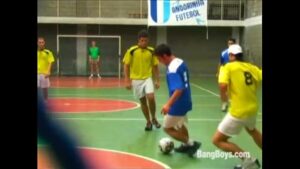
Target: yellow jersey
pixel 243 80
pixel 140 62
pixel 44 57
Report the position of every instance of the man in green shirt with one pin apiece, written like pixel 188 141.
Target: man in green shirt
pixel 94 59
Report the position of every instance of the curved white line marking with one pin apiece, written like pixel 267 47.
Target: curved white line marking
pixel 107 111
pixel 136 155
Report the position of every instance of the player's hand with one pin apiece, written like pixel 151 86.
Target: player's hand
pixel 165 109
pixel 157 84
pixel 47 75
pixel 128 84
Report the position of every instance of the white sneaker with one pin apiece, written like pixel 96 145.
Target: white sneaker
pixel 224 107
pixel 99 76
pixel 251 163
pixel 91 76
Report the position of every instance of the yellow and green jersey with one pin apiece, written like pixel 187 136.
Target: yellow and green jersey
pixel 243 80
pixel 45 58
pixel 141 62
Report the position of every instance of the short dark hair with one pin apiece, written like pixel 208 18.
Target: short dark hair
pixel 232 39
pixel 239 56
pixel 162 49
pixel 143 34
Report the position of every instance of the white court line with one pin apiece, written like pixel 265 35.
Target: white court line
pixel 209 91
pixel 132 119
pixel 131 154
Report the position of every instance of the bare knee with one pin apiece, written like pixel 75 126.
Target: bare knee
pixel 218 138
pixel 143 100
pixel 150 97
pixel 215 140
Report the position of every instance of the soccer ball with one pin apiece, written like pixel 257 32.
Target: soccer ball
pixel 166 145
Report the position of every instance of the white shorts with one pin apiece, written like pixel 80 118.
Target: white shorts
pixel 174 121
pixel 231 126
pixel 43 82
pixel 142 87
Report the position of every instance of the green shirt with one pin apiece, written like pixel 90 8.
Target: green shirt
pixel 94 52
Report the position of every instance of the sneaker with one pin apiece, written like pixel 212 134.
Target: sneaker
pixel 182 149
pixel 193 149
pixel 156 124
pixel 91 76
pixel 148 127
pixel 99 76
pixel 239 166
pixel 224 107
pixel 249 163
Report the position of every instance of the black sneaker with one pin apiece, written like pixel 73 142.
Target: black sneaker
pixel 193 149
pixel 155 123
pixel 148 127
pixel 182 149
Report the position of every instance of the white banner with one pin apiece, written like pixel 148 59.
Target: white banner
pixel 177 12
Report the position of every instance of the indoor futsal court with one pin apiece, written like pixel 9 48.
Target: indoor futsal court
pixel 105 119
pixel 108 123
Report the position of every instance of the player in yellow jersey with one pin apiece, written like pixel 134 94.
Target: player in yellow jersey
pixel 139 66
pixel 45 59
pixel 241 80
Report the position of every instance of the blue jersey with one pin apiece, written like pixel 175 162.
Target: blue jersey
pixel 224 57
pixel 178 78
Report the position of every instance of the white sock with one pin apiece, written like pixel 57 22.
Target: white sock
pixel 190 142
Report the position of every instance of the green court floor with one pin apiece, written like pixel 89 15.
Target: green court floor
pixel 124 130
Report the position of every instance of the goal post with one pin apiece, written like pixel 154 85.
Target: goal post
pixel 72 54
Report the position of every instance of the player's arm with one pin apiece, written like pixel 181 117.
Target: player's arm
pixel 127 61
pixel 126 74
pixel 155 71
pixel 156 76
pixel 223 90
pixel 50 60
pixel 223 81
pixel 166 108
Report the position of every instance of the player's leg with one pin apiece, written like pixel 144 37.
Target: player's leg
pixel 44 84
pixel 221 141
pixel 91 67
pixel 149 89
pixel 138 87
pixel 253 132
pixel 227 128
pixel 145 110
pixel 175 126
pixel 170 126
pixel 256 135
pixel 94 67
pixel 231 126
pixel 98 67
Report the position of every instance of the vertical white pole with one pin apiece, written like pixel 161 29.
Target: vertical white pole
pixel 57 50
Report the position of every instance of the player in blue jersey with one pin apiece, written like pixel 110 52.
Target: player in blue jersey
pixel 224 58
pixel 180 101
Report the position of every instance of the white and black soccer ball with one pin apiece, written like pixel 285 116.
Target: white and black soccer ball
pixel 166 145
